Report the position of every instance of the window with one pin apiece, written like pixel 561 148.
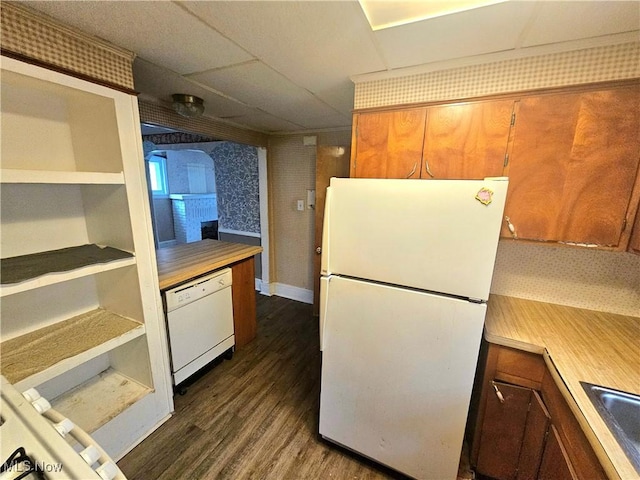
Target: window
pixel 158 175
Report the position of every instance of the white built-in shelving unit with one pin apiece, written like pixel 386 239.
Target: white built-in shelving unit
pixel 91 338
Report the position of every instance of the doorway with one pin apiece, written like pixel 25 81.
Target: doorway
pixel 240 176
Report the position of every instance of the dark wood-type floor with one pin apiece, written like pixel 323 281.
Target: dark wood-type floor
pixel 255 416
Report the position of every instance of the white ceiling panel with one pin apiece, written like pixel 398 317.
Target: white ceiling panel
pixel 264 122
pixel 339 96
pixel 258 85
pixel 484 30
pixel 161 84
pixel 586 19
pixel 160 32
pixel 282 66
pixel 328 122
pixel 311 43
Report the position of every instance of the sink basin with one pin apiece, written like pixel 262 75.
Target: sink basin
pixel 621 412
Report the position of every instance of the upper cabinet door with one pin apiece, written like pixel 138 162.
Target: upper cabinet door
pixel 467 140
pixel 388 144
pixel 573 166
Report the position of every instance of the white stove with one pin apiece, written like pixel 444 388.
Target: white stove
pixel 40 443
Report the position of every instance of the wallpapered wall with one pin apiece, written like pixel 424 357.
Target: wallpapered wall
pixel 237 186
pixel 598 280
pixel 235 169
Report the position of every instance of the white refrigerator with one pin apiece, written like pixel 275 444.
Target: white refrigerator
pixel 406 272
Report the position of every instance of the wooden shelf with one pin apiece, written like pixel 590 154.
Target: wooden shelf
pixel 10 175
pixel 38 356
pixel 100 399
pixel 52 277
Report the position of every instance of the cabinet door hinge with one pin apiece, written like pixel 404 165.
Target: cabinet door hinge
pixel 624 224
pixel 506 160
pixel 513 118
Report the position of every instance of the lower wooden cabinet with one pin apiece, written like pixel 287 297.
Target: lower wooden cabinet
pixel 555 463
pixel 243 292
pixel 513 433
pixel 524 428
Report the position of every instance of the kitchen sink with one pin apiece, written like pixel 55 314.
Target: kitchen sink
pixel 621 412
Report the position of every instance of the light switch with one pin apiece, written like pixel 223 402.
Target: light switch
pixel 301 205
pixel 311 199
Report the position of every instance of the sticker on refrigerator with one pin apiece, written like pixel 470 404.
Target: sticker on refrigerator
pixel 484 196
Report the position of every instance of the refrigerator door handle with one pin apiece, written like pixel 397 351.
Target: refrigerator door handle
pixel 324 298
pixel 324 248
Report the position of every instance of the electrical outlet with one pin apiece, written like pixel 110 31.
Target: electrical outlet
pixel 300 205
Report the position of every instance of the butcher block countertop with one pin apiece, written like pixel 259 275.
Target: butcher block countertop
pixel 581 345
pixel 182 262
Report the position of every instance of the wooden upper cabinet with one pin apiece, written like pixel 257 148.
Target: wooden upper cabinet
pixel 388 144
pixel 573 166
pixel 467 140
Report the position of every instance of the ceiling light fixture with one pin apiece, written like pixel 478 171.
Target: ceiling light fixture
pixel 187 105
pixel 392 14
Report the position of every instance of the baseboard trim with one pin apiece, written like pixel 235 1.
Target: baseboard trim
pixel 293 293
pixel 240 233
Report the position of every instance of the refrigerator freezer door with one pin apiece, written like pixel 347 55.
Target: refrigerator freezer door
pixel 427 234
pixel 397 372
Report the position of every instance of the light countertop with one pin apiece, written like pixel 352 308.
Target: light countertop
pixel 182 262
pixel 582 345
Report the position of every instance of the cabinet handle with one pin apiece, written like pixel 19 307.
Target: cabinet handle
pixel 426 167
pixel 413 170
pixel 498 392
pixel 511 227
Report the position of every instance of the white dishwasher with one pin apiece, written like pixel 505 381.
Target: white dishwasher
pixel 200 323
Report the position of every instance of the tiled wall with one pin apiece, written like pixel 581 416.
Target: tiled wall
pixel 36 36
pixel 585 278
pixel 599 64
pixel 291 173
pixel 579 277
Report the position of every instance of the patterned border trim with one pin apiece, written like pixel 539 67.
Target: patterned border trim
pixel 36 36
pixel 155 114
pixel 175 137
pixel 612 62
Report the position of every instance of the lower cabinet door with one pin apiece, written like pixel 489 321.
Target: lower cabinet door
pixel 555 464
pixel 503 430
pixel 538 421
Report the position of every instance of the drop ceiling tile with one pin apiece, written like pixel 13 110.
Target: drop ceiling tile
pixel 333 121
pixel 161 84
pixel 257 85
pixel 316 44
pixel 587 19
pixel 161 32
pixel 264 122
pixel 484 30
